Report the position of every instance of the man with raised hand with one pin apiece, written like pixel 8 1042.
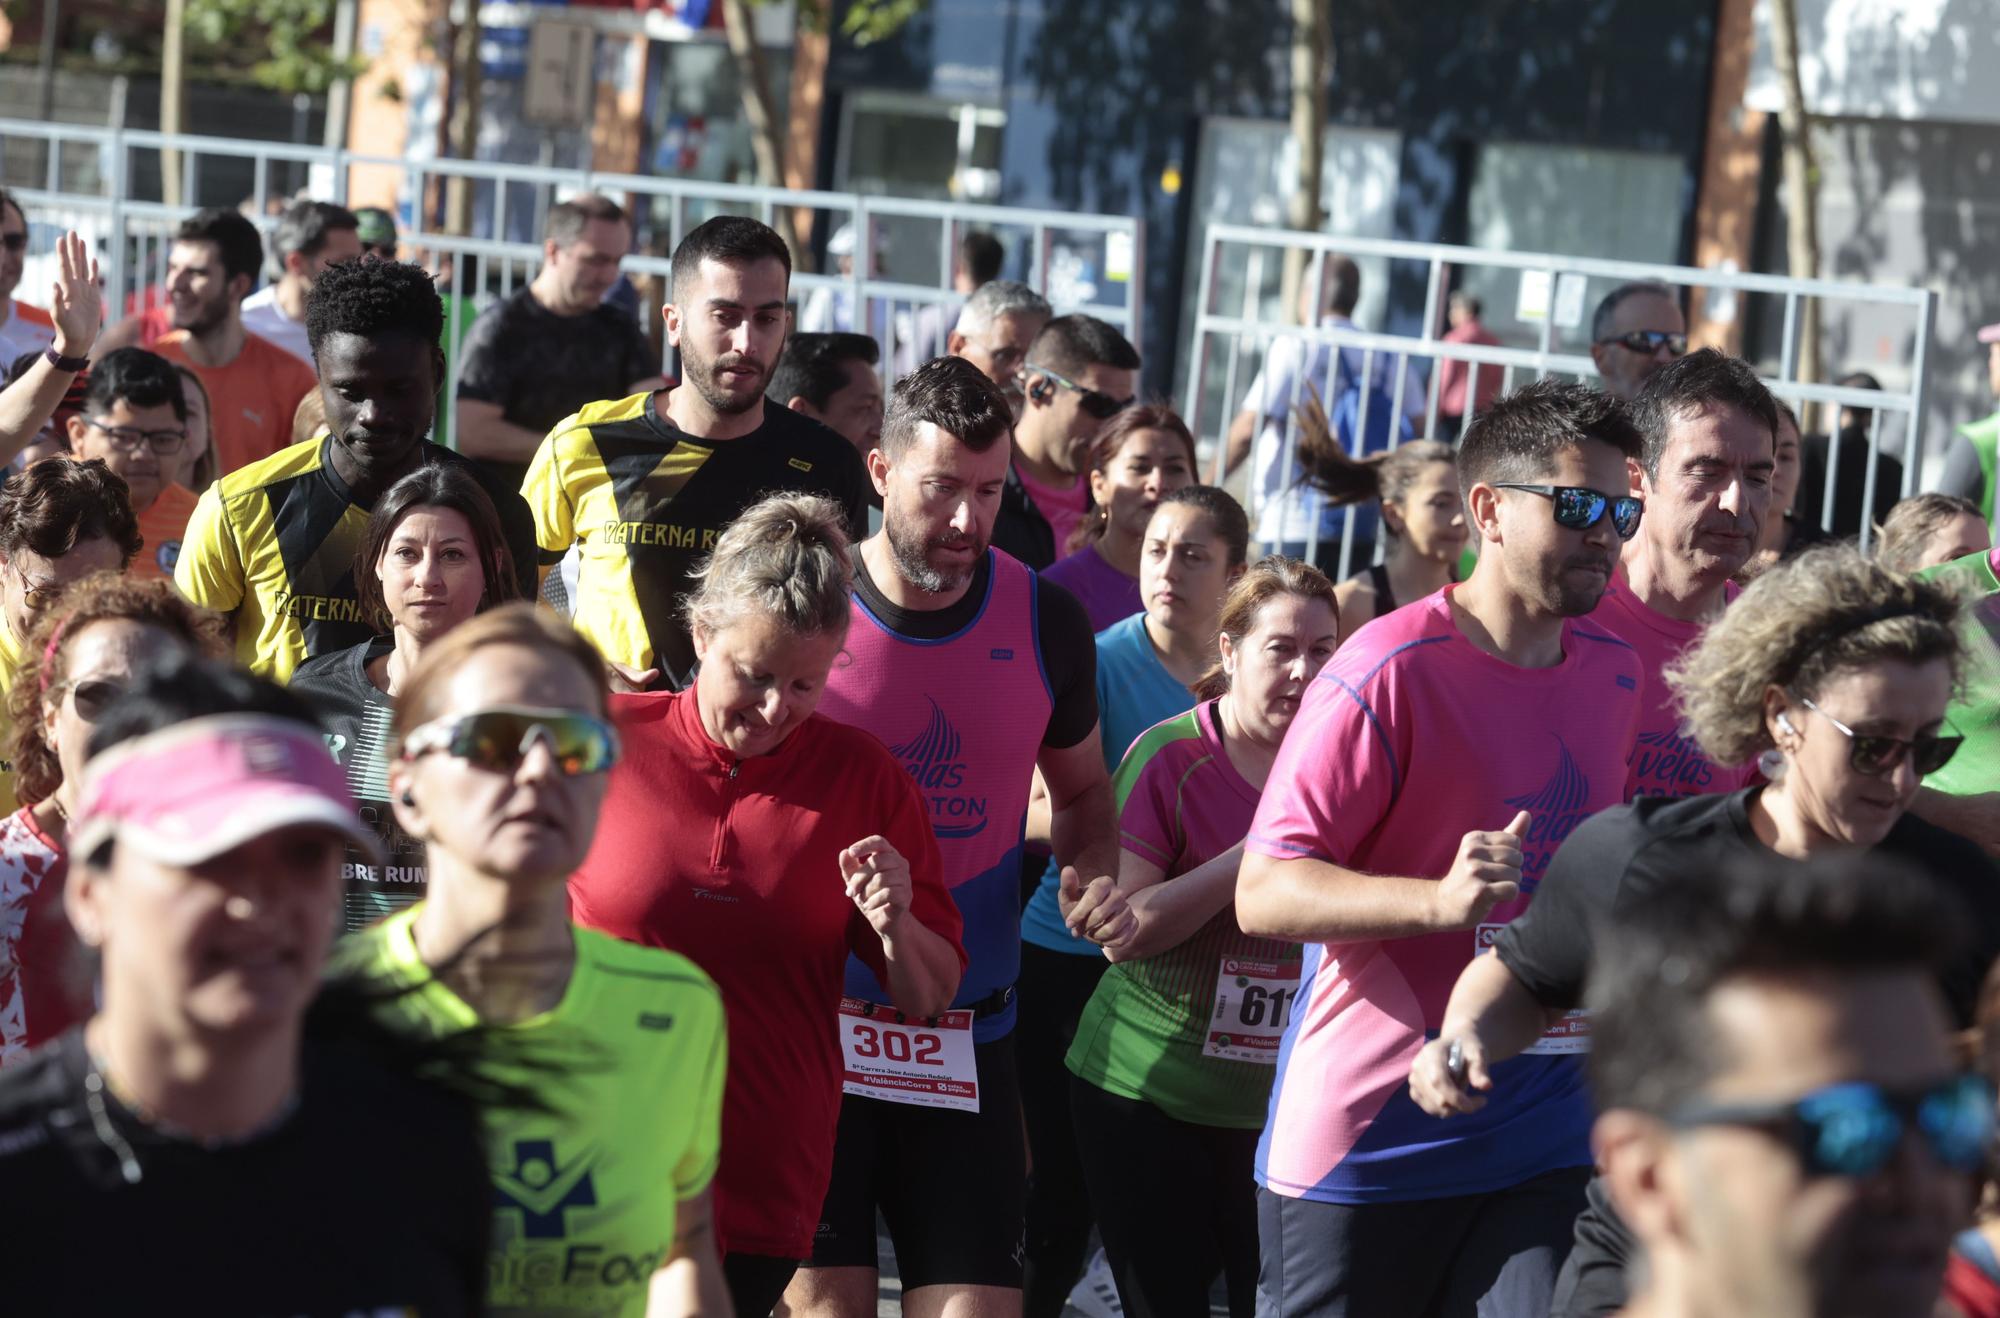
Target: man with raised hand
pixel 1433 768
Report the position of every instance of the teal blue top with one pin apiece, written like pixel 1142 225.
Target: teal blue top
pixel 1134 691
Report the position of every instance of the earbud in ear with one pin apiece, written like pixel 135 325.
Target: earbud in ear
pixel 1786 724
pixel 408 797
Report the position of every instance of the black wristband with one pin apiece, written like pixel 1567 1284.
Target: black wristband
pixel 62 363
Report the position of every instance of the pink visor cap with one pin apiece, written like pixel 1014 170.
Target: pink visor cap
pixel 1990 333
pixel 191 792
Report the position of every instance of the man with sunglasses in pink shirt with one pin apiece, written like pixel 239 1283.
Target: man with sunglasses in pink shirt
pixel 1080 373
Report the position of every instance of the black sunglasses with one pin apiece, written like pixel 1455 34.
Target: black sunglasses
pixel 1854 1129
pixel 1648 342
pixel 1580 508
pixel 1100 405
pixel 1876 756
pixel 14 242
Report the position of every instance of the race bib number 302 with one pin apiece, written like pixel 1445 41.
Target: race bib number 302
pixel 926 1063
pixel 1253 1004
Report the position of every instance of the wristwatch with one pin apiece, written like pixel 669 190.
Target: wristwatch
pixel 62 363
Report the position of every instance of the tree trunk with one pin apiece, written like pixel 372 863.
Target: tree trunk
pixel 173 97
pixel 1312 41
pixel 464 116
pixel 1801 187
pixel 760 107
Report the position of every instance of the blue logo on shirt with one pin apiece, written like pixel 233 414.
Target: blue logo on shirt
pixel 543 1189
pixel 1558 806
pixel 1668 764
pixel 932 758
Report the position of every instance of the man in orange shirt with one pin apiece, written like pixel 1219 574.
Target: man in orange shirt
pixel 134 417
pixel 253 385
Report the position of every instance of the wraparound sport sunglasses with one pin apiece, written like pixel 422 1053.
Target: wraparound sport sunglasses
pixel 498 739
pixel 1093 402
pixel 1580 508
pixel 1648 342
pixel 1854 1129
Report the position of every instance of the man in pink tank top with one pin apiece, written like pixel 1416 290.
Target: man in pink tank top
pixel 1433 768
pixel 974 672
pixel 1707 425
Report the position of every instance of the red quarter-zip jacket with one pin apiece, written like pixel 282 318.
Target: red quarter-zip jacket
pixel 734 864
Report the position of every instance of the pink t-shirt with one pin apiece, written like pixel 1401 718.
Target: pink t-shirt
pixel 1410 738
pixel 1062 509
pixel 1665 761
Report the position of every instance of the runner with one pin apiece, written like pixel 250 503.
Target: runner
pixel 196 471
pixel 808 845
pixel 1708 426
pixel 254 383
pixel 81 653
pixel 647 484
pixel 46 386
pixel 1843 670
pixel 273 545
pixel 1173 1057
pixel 601 1185
pixel 1422 515
pixel 1456 741
pixel 974 674
pixel 23 328
pixel 201 1097
pixel 60 521
pixel 134 419
pixel 1147 666
pixel 1142 454
pixel 432 558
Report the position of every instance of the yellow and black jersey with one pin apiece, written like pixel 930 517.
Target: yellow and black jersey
pixel 274 545
pixel 645 502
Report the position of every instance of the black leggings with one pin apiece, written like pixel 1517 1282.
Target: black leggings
pixel 756 1282
pixel 1176 1204
pixel 1055 986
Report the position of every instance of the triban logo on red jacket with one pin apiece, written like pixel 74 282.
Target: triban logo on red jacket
pixel 931 757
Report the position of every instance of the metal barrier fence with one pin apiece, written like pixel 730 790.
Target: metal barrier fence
pixel 1241 269
pixel 82 178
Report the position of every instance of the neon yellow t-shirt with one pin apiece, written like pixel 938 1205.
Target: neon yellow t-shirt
pixel 633 1059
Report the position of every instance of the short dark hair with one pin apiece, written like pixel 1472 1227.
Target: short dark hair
pixel 436 485
pixel 568 219
pixel 1231 522
pixel 1068 344
pixel 1690 385
pixel 60 501
pixel 304 227
pixel 953 395
pixel 241 246
pixel 1519 436
pixel 1653 1048
pixel 1600 319
pixel 814 366
pixel 136 377
pixel 1343 285
pixel 734 239
pixel 372 298
pixel 180 685
pixel 981 256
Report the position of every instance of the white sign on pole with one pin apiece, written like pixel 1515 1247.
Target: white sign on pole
pixel 561 87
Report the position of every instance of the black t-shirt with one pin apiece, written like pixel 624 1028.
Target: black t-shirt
pixel 540 367
pixel 1020 529
pixel 1069 649
pixel 1620 855
pixel 647 502
pixel 372 1196
pixel 356 716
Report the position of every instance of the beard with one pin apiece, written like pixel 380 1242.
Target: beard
pixel 1572 600
pixel 705 374
pixel 913 562
pixel 205 316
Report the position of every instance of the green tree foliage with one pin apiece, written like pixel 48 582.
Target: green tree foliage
pixel 295 32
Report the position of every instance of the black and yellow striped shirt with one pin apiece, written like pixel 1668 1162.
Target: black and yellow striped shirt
pixel 274 544
pixel 645 503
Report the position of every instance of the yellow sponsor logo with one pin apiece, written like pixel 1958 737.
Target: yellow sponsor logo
pixel 663 535
pixel 321 608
